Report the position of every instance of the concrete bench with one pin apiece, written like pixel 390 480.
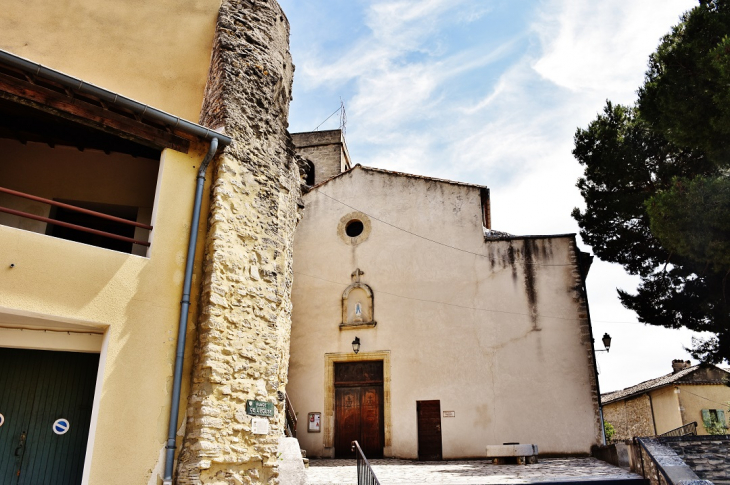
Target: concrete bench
pixel 514 452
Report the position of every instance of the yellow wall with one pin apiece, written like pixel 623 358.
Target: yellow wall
pixel 666 409
pixel 154 51
pixel 694 398
pixel 133 300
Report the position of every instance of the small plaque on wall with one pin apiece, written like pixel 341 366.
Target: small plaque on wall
pixel 259 426
pixel 449 414
pixel 314 422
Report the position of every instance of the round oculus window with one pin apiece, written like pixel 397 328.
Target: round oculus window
pixel 354 228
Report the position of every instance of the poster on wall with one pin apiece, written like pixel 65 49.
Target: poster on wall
pixel 314 422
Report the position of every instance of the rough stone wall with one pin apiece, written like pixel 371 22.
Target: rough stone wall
pixel 630 417
pixel 707 456
pixel 326 149
pixel 242 350
pixel 586 332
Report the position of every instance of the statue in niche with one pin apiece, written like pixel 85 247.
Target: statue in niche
pixel 357 303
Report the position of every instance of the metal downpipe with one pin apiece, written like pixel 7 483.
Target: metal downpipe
pixel 184 308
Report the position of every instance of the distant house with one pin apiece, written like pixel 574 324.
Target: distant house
pixel 698 393
pixel 421 332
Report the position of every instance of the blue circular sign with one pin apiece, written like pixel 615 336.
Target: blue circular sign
pixel 61 426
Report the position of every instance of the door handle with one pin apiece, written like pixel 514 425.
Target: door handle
pixel 21 443
pixel 438 427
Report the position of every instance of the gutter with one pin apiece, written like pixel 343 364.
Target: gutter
pixel 143 110
pixel 184 310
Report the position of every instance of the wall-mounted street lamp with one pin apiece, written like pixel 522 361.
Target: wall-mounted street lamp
pixel 606 342
pixel 356 345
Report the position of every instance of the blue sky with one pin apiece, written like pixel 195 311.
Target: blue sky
pixel 489 92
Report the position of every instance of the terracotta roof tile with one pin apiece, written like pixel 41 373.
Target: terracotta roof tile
pixel 657 383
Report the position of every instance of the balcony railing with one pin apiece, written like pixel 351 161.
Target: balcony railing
pixel 74 208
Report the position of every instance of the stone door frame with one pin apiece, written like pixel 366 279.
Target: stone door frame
pixel 328 423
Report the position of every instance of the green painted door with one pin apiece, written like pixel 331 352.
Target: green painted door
pixel 45 403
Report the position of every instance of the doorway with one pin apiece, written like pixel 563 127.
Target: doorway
pixel 429 430
pixel 45 402
pixel 359 408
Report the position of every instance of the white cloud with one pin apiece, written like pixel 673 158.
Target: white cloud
pixel 602 46
pixel 513 129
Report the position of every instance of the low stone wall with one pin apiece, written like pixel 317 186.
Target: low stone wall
pixel 618 453
pixel 707 456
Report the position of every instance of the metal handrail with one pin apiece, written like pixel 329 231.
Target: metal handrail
pixel 658 467
pixel 365 473
pixel 291 417
pixel 687 429
pixel 75 208
pixel 48 220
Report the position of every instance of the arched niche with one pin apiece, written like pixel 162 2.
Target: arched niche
pixel 357 304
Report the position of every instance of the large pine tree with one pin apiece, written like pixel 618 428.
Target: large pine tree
pixel 657 182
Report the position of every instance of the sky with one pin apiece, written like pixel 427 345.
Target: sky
pixel 490 92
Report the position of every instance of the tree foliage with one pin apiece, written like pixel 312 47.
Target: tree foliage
pixel 657 182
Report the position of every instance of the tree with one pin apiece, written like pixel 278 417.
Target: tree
pixel 657 182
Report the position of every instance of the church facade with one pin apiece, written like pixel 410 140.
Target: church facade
pixel 422 333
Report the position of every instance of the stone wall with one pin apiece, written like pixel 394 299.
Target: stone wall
pixel 630 417
pixel 242 350
pixel 326 149
pixel 707 456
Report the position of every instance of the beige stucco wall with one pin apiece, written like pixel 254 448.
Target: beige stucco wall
pixel 154 51
pixel 666 409
pixel 694 398
pixel 132 300
pixel 630 417
pixel 512 363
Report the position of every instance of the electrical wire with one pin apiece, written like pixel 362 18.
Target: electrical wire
pixel 522 260
pixel 725 404
pixel 338 283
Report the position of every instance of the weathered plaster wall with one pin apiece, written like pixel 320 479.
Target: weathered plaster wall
pixel 667 411
pixel 133 301
pixel 154 51
pixel 694 398
pixel 243 343
pixel 503 344
pixel 630 417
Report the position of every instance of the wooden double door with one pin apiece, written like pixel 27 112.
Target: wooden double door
pixel 359 408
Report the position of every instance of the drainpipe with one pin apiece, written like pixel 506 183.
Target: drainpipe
pixel 184 307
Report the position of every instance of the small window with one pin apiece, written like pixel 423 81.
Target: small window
pixel 354 228
pixel 714 421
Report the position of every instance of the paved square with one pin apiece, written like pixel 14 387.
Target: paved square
pixel 343 472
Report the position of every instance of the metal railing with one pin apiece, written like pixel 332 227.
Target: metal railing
pixel 365 474
pixel 75 209
pixel 687 429
pixel 291 418
pixel 652 470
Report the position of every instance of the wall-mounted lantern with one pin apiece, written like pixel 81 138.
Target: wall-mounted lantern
pixel 606 342
pixel 356 345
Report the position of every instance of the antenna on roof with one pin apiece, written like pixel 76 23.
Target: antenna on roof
pixel 343 117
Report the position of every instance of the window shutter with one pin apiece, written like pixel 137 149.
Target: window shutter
pixel 721 417
pixel 706 419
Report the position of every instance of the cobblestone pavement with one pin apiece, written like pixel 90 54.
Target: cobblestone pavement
pixel 343 472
